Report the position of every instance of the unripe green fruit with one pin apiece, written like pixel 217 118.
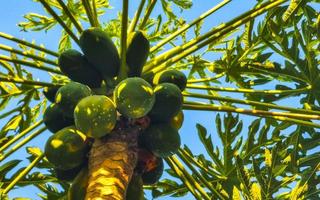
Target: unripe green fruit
pixel 135 188
pixel 134 97
pixel 95 116
pixel 171 76
pixel 161 139
pixel 78 188
pixel 177 120
pixel 69 95
pixel 50 93
pixel 168 102
pixel 55 120
pixel 67 148
pixel 100 51
pixel 73 64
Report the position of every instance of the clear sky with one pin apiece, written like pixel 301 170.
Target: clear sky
pixel 12 11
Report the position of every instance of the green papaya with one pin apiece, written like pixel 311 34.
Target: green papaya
pixel 55 120
pixel 153 172
pixel 95 116
pixel 76 66
pixel 168 102
pixel 100 51
pixel 135 188
pixel 177 120
pixel 133 97
pixel 69 95
pixel 137 53
pixel 161 139
pixel 67 148
pixel 78 188
pixel 171 76
pixel 68 175
pixel 50 93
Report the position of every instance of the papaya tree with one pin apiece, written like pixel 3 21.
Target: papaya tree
pixel 116 92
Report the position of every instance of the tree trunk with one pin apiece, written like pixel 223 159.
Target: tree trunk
pixel 111 164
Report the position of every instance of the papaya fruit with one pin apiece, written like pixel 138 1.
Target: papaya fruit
pixel 171 76
pixel 133 97
pixel 137 53
pixel 167 104
pixel 100 51
pixel 68 175
pixel 55 120
pixel 76 66
pixel 135 188
pixel 50 93
pixel 177 120
pixel 148 77
pixel 153 171
pixel 95 116
pixel 161 139
pixel 78 188
pixel 69 95
pixel 149 166
pixel 67 148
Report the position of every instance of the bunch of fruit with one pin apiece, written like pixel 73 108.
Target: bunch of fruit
pixel 85 109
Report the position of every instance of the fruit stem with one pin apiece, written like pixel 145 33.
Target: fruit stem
pixel 59 20
pixel 250 102
pixel 136 17
pixel 198 175
pixel 27 82
pixel 207 38
pixel 27 54
pixel 186 178
pixel 243 90
pixel 287 117
pixel 207 79
pixel 30 64
pixel 149 10
pixel 23 173
pixel 11 38
pixel 123 72
pixel 22 142
pixel 70 15
pixel 20 135
pixel 187 26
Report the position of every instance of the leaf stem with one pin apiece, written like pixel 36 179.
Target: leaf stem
pixel 243 90
pixel 11 38
pixel 136 17
pixel 20 135
pixel 288 117
pixel 29 55
pixel 95 13
pixel 70 15
pixel 123 72
pixel 149 10
pixel 249 102
pixel 88 10
pixel 23 173
pixel 207 79
pixel 26 82
pixel 59 20
pixel 181 155
pixel 30 64
pixel 209 37
pixel 187 26
pixel 22 142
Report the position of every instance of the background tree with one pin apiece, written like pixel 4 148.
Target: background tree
pixel 275 157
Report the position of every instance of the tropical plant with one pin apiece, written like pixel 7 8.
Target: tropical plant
pixel 267 56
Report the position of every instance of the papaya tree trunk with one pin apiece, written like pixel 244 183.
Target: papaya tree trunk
pixel 111 164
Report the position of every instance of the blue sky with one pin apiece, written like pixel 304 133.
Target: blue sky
pixel 11 12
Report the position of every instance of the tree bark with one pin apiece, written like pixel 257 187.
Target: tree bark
pixel 111 164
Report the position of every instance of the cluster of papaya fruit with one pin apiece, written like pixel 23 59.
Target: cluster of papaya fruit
pixel 91 104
